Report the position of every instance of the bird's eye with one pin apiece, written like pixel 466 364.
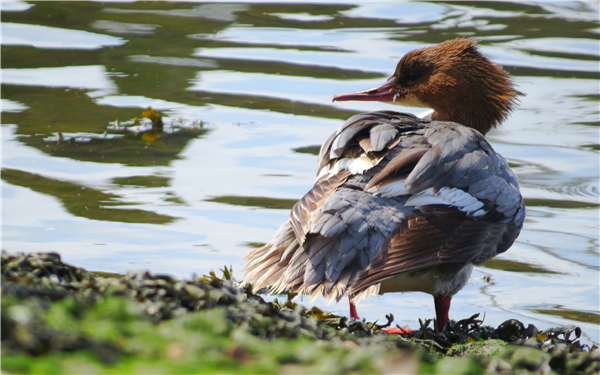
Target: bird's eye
pixel 413 75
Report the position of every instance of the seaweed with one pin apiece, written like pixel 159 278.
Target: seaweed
pixel 57 312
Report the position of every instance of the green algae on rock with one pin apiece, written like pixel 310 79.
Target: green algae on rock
pixel 73 321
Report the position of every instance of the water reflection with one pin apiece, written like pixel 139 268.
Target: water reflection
pixel 83 201
pixel 245 90
pixel 255 201
pixel 94 78
pixel 515 266
pixel 565 313
pixel 18 34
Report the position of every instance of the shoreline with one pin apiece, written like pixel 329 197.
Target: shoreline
pixel 72 320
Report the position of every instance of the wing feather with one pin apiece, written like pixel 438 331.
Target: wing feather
pixel 303 212
pixel 395 194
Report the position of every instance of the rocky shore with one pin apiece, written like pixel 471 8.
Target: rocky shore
pixel 57 318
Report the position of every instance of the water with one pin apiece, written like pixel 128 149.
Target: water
pixel 245 90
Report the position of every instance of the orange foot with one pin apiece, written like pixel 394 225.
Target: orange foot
pixel 404 331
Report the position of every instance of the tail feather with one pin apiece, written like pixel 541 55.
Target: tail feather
pixel 282 264
pixel 266 264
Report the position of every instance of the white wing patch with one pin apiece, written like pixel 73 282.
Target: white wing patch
pixel 323 172
pixel 354 166
pixel 450 197
pixel 391 189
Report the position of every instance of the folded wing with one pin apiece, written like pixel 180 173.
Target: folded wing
pixel 394 194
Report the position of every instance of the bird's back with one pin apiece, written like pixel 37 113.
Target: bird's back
pixel 396 195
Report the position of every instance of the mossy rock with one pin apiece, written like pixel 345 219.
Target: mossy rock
pixel 514 357
pixel 477 348
pixel 459 365
pixel 57 318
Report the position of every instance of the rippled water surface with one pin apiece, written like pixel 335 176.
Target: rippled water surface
pixel 245 90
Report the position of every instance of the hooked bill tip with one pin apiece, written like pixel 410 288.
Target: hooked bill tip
pixel 337 97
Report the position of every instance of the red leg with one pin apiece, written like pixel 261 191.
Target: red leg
pixel 353 313
pixel 442 311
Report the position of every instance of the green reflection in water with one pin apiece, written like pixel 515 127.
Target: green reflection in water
pixel 580 316
pixel 515 266
pixel 130 149
pixel 83 201
pixel 255 201
pixel 590 97
pixel 595 147
pixel 587 123
pixel 67 123
pixel 538 202
pixel 145 181
pixel 173 199
pixel 313 150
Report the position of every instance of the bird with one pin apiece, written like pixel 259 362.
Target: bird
pixel 405 203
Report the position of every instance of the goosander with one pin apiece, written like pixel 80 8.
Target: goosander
pixel 405 203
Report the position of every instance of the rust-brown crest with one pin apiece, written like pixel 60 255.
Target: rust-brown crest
pixel 458 82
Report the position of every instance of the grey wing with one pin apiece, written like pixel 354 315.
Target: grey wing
pixel 467 203
pixel 336 229
pixel 394 194
pixel 343 230
pixel 463 171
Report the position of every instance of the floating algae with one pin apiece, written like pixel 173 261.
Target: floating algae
pixel 72 320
